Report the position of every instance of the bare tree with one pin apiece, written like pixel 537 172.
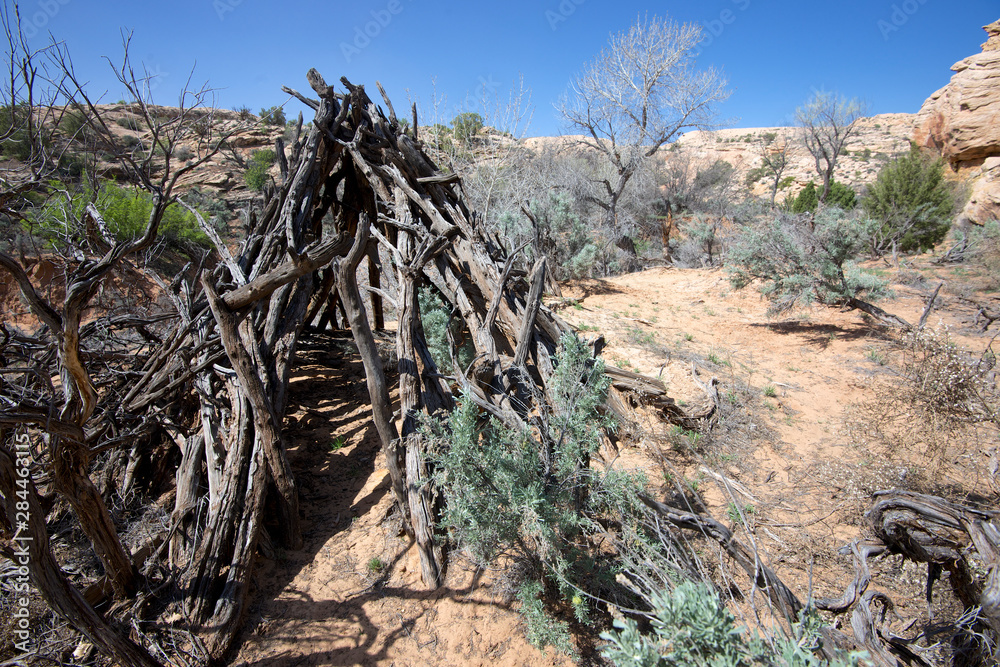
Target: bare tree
pixel 493 167
pixel 74 416
pixel 640 93
pixel 828 120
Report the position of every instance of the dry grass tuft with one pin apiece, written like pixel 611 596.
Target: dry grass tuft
pixel 934 414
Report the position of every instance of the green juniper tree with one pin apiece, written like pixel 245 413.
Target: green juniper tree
pixel 806 201
pixel 840 196
pixel 913 203
pixel 258 167
pixel 466 126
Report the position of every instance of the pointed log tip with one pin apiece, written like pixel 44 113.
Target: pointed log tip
pixel 318 83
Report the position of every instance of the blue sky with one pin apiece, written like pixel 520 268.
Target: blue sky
pixel 893 54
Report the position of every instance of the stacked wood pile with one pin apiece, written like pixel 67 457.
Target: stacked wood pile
pixel 356 194
pixel 216 382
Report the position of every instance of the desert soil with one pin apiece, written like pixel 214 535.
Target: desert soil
pixel 353 595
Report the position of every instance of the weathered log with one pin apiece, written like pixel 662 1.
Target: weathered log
pixel 782 597
pixel 882 316
pixel 246 360
pixel 47 576
pixel 378 389
pixel 70 460
pixel 931 530
pixel 412 400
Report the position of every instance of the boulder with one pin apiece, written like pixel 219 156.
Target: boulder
pixel 984 193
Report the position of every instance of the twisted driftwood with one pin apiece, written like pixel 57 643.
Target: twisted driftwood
pixel 353 191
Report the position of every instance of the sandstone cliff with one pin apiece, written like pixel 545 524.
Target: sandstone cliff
pixel 962 122
pixel 878 140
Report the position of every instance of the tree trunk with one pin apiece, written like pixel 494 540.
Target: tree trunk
pixel 69 471
pixel 378 389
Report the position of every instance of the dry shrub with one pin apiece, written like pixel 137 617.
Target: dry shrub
pixel 938 405
pixel 986 252
pixel 856 482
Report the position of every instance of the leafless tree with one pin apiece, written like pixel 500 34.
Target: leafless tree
pixel 636 96
pixel 828 120
pixel 75 426
pixel 493 171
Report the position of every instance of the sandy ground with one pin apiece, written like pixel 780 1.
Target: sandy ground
pixel 353 596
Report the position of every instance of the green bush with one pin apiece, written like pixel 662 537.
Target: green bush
pixel 130 122
pixel 440 137
pixel 541 628
pixel 183 154
pixel 703 234
pixel 563 237
pixel 840 196
pixel 755 175
pixel 807 201
pixel 799 263
pixel 72 165
pixel 912 201
pixel 258 167
pixel 692 628
pixel 273 116
pixel 126 212
pixel 467 126
pixel 213 209
pixel 72 124
pixel 436 321
pixel 532 500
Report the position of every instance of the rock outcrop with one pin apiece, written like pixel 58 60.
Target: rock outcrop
pixel 984 193
pixel 962 122
pixel 876 141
